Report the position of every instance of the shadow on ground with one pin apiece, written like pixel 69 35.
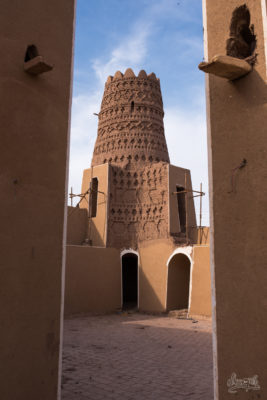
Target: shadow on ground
pixel 138 357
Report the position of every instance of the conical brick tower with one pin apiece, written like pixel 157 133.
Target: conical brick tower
pixel 131 182
pixel 130 129
pixel 131 138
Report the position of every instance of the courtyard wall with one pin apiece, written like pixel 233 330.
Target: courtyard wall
pixel 201 282
pixel 237 147
pixel 34 121
pixel 93 280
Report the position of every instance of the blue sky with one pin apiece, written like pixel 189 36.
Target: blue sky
pixel 161 36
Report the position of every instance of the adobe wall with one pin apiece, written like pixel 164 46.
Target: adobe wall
pixel 34 120
pixel 153 274
pixel 93 280
pixel 123 218
pixel 154 255
pixel 77 225
pixel 98 225
pixel 201 282
pixel 237 119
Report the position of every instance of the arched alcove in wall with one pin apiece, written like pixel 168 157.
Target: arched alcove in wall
pixel 129 279
pixel 178 283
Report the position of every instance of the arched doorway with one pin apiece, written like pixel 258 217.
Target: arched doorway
pixel 129 280
pixel 178 282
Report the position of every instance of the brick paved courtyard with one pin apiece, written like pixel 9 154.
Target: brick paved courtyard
pixel 138 357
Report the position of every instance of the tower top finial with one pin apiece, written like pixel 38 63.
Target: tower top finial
pixel 130 74
pixel 118 75
pixel 142 74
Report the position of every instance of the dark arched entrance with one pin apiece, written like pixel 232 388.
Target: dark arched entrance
pixel 178 282
pixel 129 280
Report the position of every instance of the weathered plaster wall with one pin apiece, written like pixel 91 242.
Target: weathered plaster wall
pixel 154 255
pixel 98 225
pixel 93 280
pixel 34 120
pixel 153 269
pixel 237 120
pixel 201 282
pixel 77 225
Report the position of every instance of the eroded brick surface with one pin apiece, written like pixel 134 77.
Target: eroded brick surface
pixel 131 138
pixel 137 357
pixel 132 141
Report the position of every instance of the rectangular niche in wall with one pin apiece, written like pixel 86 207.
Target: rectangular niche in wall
pixel 181 207
pixel 93 197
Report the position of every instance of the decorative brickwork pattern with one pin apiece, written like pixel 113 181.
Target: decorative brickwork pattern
pixel 130 129
pixel 131 139
pixel 138 205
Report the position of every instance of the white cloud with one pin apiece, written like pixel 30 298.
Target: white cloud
pixel 83 136
pixel 185 130
pixel 131 52
pixel 188 46
pixel 185 133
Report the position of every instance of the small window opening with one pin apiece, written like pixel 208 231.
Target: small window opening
pixel 31 53
pixel 93 197
pixel 242 40
pixel 132 106
pixel 181 207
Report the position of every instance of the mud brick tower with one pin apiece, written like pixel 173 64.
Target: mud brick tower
pixel 131 181
pixel 133 241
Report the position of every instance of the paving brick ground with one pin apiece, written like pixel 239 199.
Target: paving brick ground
pixel 136 357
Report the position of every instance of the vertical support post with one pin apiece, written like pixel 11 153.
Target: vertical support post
pixel 200 206
pixel 89 207
pixel 71 197
pixel 200 213
pixel 186 222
